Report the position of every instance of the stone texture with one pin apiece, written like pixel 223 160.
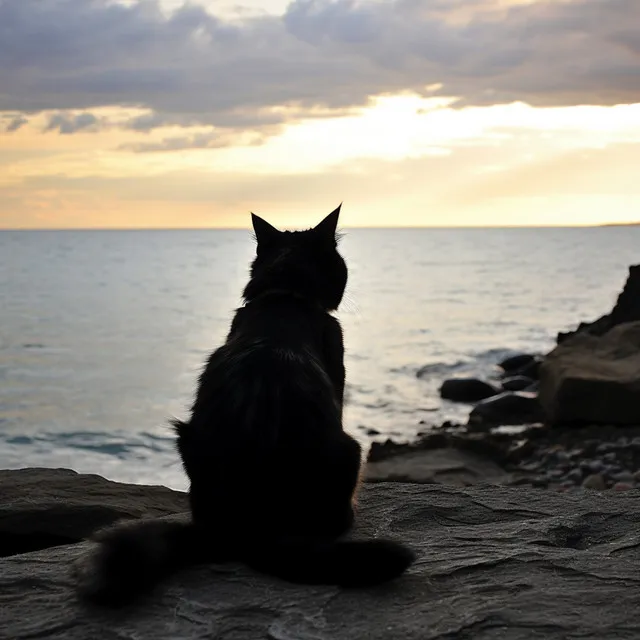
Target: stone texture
pixel 517 383
pixel 40 508
pixel 508 563
pixel 445 466
pixel 467 390
pixel 594 379
pixel 626 309
pixel 507 408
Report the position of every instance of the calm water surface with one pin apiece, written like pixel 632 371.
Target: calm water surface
pixel 102 333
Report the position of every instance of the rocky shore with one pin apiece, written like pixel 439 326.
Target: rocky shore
pixel 508 562
pixel 568 421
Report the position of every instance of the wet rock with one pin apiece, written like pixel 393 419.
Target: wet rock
pixel 623 476
pixel 622 486
pixel 575 476
pixel 591 379
pixel 594 481
pixel 531 370
pixel 508 408
pixel 626 309
pixel 467 390
pixel 516 362
pixel 516 383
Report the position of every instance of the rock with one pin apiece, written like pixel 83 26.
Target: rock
pixel 514 363
pixel 531 370
pixel 490 560
pixel 41 508
pixel 622 486
pixel 516 383
pixel 595 380
pixel 507 408
pixel 575 476
pixel 443 466
pixel 626 309
pixel 467 390
pixel 624 476
pixel 594 481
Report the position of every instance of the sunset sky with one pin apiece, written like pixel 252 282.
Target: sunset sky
pixel 160 113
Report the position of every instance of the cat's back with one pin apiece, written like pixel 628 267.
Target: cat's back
pixel 271 368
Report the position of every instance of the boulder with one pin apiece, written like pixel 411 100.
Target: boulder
pixel 493 562
pixel 514 363
pixel 467 390
pixel 41 508
pixel 517 383
pixel 530 370
pixel 508 408
pixel 626 309
pixel 447 465
pixel 594 379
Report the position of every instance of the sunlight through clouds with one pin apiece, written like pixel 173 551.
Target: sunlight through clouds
pixel 451 112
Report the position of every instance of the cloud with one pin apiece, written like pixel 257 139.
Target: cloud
pixel 13 123
pixel 202 140
pixel 67 124
pixel 193 67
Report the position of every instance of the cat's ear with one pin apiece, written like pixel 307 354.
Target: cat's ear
pixel 328 226
pixel 265 233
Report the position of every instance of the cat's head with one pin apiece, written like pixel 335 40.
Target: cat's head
pixel 303 262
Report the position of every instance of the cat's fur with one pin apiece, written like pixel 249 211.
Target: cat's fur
pixel 273 476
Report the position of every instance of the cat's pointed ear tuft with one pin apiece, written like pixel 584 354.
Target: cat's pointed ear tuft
pixel 329 225
pixel 265 232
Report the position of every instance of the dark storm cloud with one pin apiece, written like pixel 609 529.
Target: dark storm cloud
pixel 191 67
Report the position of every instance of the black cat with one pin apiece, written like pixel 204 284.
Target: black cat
pixel 273 476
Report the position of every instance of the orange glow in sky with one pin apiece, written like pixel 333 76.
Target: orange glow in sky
pixel 429 146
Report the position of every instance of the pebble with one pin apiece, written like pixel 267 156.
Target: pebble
pixel 636 476
pixel 609 457
pixel 574 476
pixel 622 486
pixel 605 447
pixel 624 477
pixel 540 482
pixel 595 466
pixel 594 481
pixel 611 470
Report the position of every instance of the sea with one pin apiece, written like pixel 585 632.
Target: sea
pixel 103 333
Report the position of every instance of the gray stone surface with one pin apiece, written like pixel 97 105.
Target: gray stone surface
pixel 42 507
pixel 443 466
pixel 594 379
pixel 494 563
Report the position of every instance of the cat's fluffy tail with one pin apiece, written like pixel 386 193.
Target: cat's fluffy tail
pixel 131 558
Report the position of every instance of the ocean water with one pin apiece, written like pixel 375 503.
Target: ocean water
pixel 102 333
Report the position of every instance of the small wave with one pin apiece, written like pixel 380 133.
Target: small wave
pixel 441 368
pixel 119 445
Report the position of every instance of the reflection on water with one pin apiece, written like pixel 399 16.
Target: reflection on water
pixel 102 334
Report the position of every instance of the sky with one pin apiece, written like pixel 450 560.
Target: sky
pixel 163 113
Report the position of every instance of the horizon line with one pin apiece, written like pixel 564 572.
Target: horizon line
pixel 382 227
